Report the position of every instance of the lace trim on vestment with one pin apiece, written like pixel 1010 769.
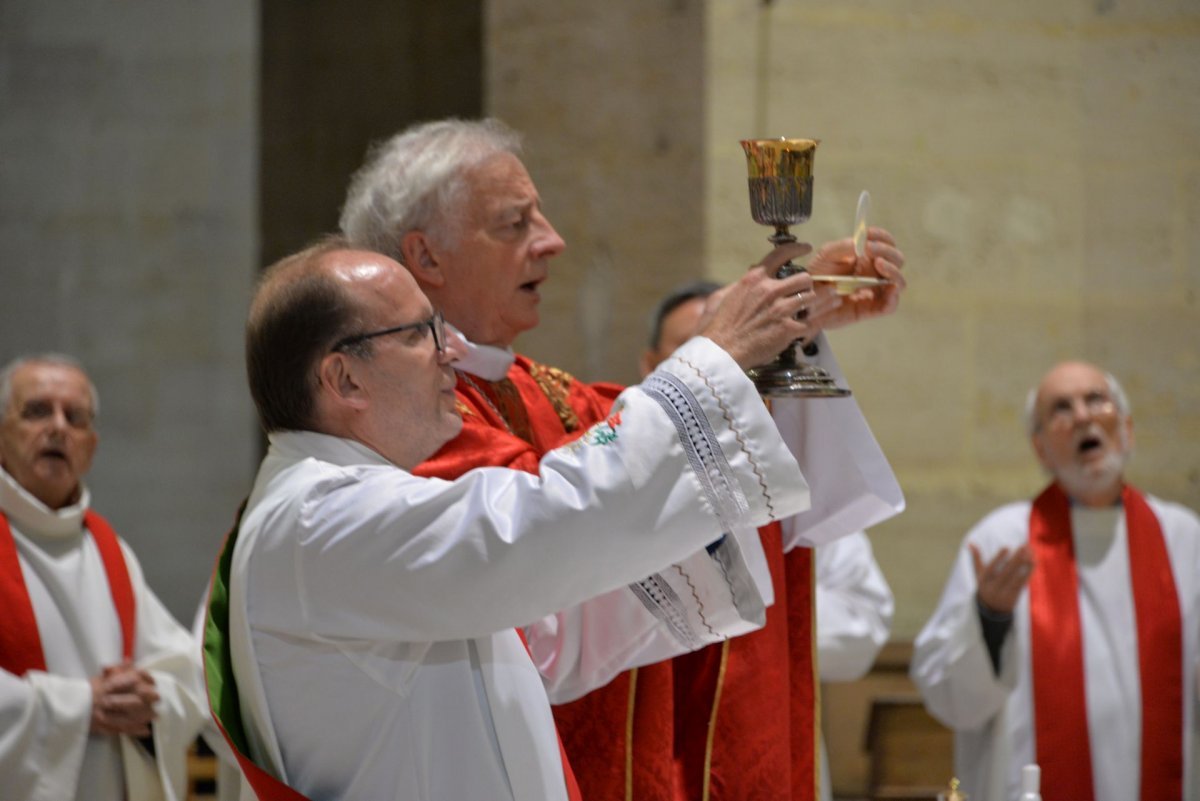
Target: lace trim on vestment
pixel 701 446
pixel 716 478
pixel 663 602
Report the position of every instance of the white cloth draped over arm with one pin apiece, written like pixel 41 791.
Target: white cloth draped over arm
pixel 852 484
pixel 854 608
pixel 44 722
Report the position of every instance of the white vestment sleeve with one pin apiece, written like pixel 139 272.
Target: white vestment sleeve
pixel 680 609
pixel 713 594
pixel 854 608
pixel 852 484
pixel 44 722
pixel 499 548
pixel 167 651
pixel 951 665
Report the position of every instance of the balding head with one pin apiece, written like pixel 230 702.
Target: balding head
pixel 1081 431
pixel 343 342
pixel 299 310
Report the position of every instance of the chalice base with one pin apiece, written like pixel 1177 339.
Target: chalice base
pixel 787 378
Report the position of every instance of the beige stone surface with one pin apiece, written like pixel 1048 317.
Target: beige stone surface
pixel 610 100
pixel 1038 163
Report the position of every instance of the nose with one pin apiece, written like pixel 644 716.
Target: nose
pixel 58 418
pixel 546 243
pixel 1081 409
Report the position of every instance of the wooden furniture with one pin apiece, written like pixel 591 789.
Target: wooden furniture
pixel 201 772
pixel 911 754
pixel 861 736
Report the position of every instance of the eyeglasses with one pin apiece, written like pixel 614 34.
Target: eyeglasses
pixel 38 411
pixel 436 325
pixel 1061 413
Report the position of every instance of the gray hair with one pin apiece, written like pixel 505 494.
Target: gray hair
pixel 59 359
pixel 415 181
pixel 1033 425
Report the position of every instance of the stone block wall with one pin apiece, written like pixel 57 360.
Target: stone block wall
pixel 127 239
pixel 1037 163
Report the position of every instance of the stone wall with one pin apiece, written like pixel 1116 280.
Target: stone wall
pixel 127 238
pixel 1036 161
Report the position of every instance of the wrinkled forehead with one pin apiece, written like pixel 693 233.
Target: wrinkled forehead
pixel 1072 380
pixel 48 381
pixel 498 182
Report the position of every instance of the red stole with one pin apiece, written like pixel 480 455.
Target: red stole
pixel 1056 634
pixel 20 642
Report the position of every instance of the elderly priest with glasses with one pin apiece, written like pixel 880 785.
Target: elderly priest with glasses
pixel 1067 635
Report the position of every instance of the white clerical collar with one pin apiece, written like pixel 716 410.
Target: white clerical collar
pixel 32 516
pixel 293 446
pixel 483 361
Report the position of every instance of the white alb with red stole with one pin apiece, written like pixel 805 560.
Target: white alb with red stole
pixel 993 714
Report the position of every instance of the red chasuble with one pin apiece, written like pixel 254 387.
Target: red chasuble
pixel 20 642
pixel 1059 673
pixel 745 709
pixel 737 718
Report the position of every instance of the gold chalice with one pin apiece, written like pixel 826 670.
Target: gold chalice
pixel 781 192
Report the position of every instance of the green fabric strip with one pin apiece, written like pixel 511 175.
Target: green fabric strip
pixel 218 653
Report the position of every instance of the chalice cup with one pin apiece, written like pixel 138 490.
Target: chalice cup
pixel 781 192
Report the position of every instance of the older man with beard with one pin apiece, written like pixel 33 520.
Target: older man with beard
pixel 1067 633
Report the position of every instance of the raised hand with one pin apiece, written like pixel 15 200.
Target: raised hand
pixel 1001 579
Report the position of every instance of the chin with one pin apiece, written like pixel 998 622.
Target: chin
pixel 1083 481
pixel 452 426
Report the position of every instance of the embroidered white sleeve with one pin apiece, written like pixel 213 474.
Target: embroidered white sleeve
pixel 678 596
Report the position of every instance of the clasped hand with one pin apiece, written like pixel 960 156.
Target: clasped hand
pixel 123 698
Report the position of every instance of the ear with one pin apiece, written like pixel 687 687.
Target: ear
pixel 647 362
pixel 339 383
pixel 422 259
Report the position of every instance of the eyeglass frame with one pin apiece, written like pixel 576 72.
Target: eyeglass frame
pixel 1061 414
pixel 436 325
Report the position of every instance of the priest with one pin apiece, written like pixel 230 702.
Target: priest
pixel 1067 633
pixel 365 631
pixel 99 685
pixel 452 201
